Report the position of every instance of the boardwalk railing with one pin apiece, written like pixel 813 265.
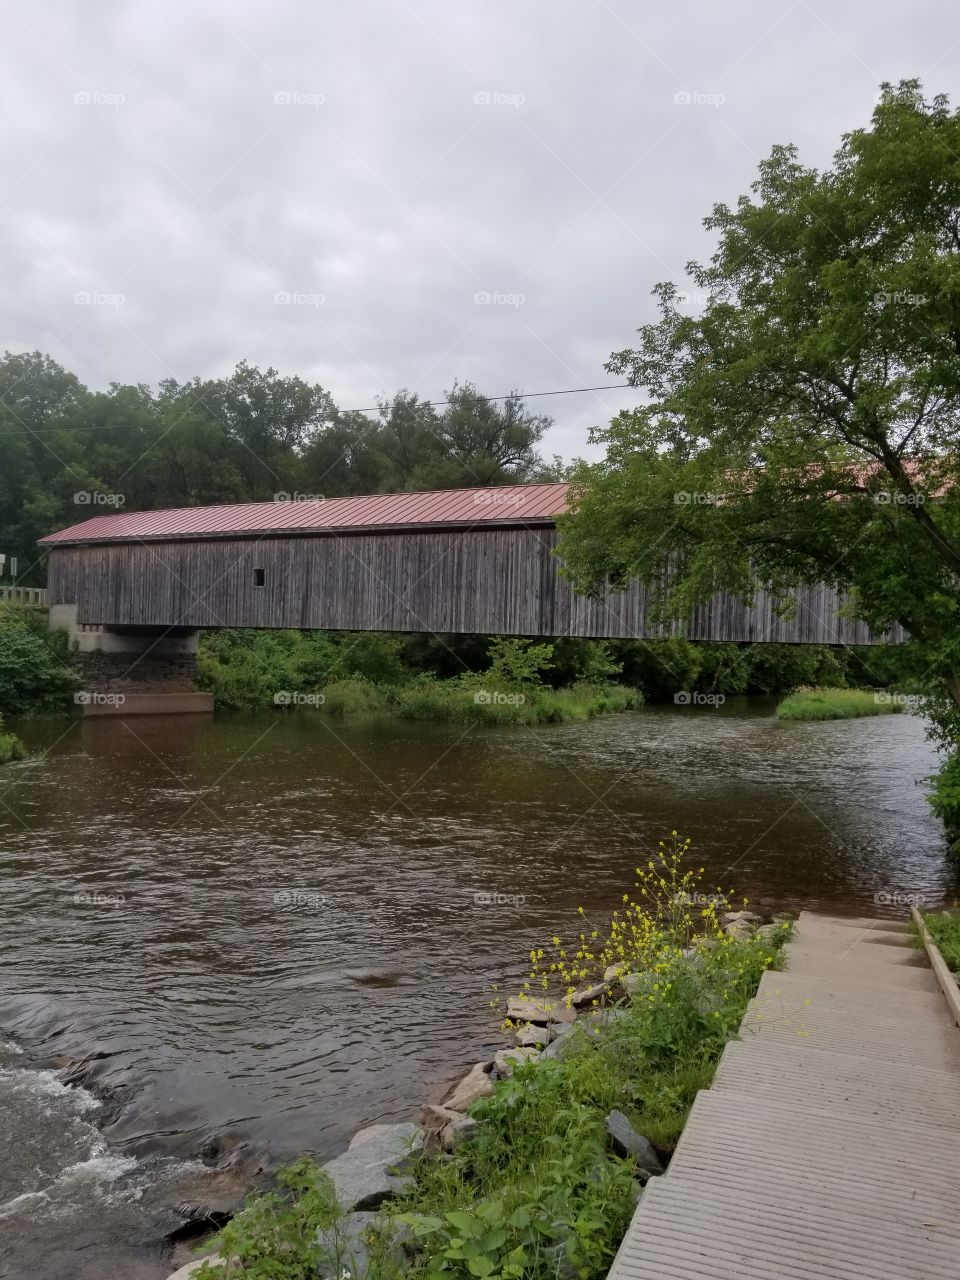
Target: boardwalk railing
pixel 25 595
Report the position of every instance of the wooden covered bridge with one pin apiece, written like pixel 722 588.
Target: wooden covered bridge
pixel 464 560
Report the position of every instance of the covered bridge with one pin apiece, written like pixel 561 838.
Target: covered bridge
pixel 462 560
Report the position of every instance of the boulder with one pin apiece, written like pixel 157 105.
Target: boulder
pixel 739 928
pixel 356 1242
pixel 444 1129
pixel 731 917
pixel 627 1142
pixel 507 1059
pixel 601 1019
pixel 615 971
pixel 358 1236
pixel 587 995
pixel 635 984
pixel 560 1045
pixel 476 1084
pixel 212 1198
pixel 370 1171
pixel 533 1037
pixel 767 932
pixel 434 1121
pixel 457 1131
pixel 532 1009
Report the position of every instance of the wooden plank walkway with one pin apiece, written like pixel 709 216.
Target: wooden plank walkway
pixel 829 1143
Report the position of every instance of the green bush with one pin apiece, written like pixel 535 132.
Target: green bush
pixel 295 1232
pixel 34 675
pixel 945 801
pixel 361 673
pixel 354 697
pixel 11 748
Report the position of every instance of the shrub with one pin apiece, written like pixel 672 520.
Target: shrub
pixel 354 697
pixel 34 675
pixel 11 748
pixel 945 801
pixel 296 1232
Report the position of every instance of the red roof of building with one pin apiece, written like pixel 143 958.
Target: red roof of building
pixel 517 504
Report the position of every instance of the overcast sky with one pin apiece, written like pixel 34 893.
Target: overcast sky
pixel 378 194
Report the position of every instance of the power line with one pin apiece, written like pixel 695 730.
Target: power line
pixel 427 404
pixel 520 395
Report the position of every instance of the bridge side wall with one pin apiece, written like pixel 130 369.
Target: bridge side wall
pixel 495 581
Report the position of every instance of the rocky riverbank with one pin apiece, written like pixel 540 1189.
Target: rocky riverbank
pixel 393 1185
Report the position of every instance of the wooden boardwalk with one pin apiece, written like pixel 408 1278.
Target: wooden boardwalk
pixel 828 1146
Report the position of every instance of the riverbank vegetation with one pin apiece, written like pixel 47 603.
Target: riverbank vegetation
pixel 449 677
pixel 34 676
pixel 838 704
pixel 944 927
pixel 505 682
pixel 542 1184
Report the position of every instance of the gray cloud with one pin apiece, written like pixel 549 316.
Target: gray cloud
pixel 386 164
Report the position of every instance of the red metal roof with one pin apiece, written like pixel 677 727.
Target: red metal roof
pixel 439 508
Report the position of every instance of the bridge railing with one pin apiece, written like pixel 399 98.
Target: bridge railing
pixel 25 595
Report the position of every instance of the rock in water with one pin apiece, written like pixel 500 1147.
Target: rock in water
pixel 533 1037
pixel 627 1142
pixel 370 1170
pixel 533 1010
pixel 586 995
pixel 476 1084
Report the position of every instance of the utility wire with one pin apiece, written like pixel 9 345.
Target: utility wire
pixel 428 404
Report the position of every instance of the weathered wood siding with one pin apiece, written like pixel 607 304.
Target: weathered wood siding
pixel 495 581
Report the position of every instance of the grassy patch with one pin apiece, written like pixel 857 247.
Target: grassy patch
pixel 471 700
pixel 836 704
pixel 945 930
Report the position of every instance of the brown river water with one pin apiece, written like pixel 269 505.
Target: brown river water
pixel 259 933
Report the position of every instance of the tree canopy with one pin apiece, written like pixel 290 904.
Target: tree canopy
pixel 799 424
pixel 68 452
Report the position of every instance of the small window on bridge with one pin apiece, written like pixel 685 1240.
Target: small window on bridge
pixel 259 577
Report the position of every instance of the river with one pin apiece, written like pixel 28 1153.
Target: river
pixel 268 930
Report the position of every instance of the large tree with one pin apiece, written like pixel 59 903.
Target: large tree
pixel 800 418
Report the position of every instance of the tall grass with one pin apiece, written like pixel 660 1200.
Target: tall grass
pixel 945 930
pixel 11 748
pixel 837 704
pixel 472 701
